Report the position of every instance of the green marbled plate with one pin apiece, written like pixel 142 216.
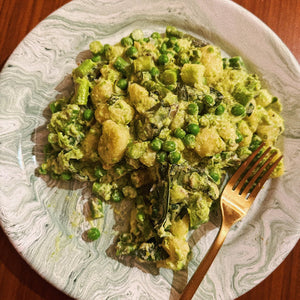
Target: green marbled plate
pixel 44 220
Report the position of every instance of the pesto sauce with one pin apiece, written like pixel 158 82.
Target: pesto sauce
pixel 146 104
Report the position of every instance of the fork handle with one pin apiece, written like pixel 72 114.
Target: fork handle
pixel 205 264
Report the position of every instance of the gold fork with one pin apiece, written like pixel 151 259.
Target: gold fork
pixel 236 199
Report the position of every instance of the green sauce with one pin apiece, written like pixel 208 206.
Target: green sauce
pixel 148 104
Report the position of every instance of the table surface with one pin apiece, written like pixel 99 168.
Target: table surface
pixel 17 18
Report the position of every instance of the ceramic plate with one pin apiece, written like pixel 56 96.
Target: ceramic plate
pixel 44 219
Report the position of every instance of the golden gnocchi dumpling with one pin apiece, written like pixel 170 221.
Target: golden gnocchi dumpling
pixel 140 99
pixel 227 132
pixel 178 250
pixel 101 92
pixel 180 228
pixel 208 142
pixel 256 117
pixel 113 142
pixel 268 133
pixel 212 60
pixel 192 74
pixel 119 112
pixel 264 98
pixel 148 158
pixel 108 72
pixel 176 245
pixel 90 143
pixel 102 113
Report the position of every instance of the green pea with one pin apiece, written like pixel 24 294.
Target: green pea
pixel 214 175
pixel 52 138
pixel 122 83
pixel 169 146
pixel 155 35
pixel 256 141
pixel 116 196
pixel 179 133
pixel 96 47
pixel 66 176
pixel 239 137
pixel 126 41
pixel 189 141
pixel 156 144
pixel 176 48
pixel 210 50
pixel 193 129
pixel 42 171
pixel 238 110
pixel 106 47
pixel 169 77
pixel 161 156
pixel 172 41
pixel 99 172
pixel 192 109
pixel 163 59
pixel 154 72
pixel 88 114
pixel 163 48
pixel 220 110
pixel 173 31
pixel 174 157
pixel 140 216
pixel 137 34
pixel 132 52
pixel 209 100
pixel 93 233
pixel 96 58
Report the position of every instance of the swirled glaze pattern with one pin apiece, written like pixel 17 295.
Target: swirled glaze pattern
pixel 44 219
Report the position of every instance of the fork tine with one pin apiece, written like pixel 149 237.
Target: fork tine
pixel 249 172
pixel 234 178
pixel 257 174
pixel 261 182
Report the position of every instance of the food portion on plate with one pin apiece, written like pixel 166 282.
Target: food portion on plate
pixel 160 121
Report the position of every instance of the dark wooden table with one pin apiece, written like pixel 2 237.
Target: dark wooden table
pixel 17 18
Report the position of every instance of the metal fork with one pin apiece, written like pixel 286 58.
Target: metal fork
pixel 236 199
